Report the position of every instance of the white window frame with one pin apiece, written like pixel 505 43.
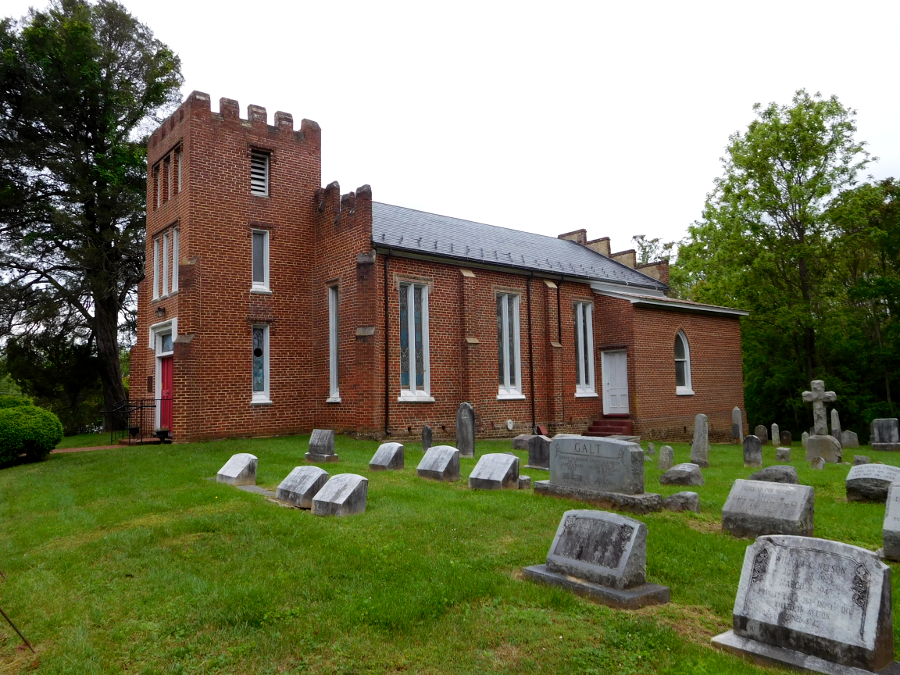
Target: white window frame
pixel 414 395
pixel 585 385
pixel 165 265
pixel 334 392
pixel 255 154
pixel 168 165
pixel 508 391
pixel 260 286
pixel 174 261
pixel 156 269
pixel 178 156
pixel 261 397
pixel 157 185
pixel 686 390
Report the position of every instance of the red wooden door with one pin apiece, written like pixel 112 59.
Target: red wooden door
pixel 165 393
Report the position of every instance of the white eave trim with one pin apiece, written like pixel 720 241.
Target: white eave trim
pixel 665 303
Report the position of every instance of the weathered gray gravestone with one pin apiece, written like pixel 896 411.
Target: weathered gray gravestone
pixel 388 457
pixel 885 434
pixel 825 446
pixel 804 438
pixel 604 471
pixel 776 434
pixel 495 471
pixel 539 452
pixel 817 463
pixel 861 459
pixel 682 501
pixel 441 462
pixel 752 451
pixel 240 469
pixel 891 530
pixel 762 434
pixel 782 454
pixel 821 444
pixel 651 449
pixel 427 438
pixel 666 458
pixel 777 474
pixel 301 485
pixel 870 482
pixel 682 474
pixel 813 605
pixel 786 439
pixel 321 446
pixel 836 424
pixel 700 446
pixel 737 426
pixel 601 555
pixel 520 442
pixel 849 439
pixel 343 495
pixel 465 430
pixel 754 508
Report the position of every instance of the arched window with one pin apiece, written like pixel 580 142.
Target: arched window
pixel 682 365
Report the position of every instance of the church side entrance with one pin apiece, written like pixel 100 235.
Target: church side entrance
pixel 615 382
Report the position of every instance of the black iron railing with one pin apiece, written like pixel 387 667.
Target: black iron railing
pixel 136 419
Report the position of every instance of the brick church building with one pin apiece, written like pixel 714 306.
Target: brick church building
pixel 272 305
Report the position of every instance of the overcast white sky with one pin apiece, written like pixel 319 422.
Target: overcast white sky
pixel 544 117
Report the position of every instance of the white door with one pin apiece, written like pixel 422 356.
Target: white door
pixel 615 383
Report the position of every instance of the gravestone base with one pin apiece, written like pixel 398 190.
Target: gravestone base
pixel 645 502
pixel 886 446
pixel 315 457
pixel 771 655
pixel 629 598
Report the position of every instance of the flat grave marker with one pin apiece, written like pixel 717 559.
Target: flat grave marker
pixel 755 508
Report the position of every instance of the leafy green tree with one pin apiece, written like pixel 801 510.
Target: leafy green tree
pixel 80 86
pixel 767 242
pixel 653 250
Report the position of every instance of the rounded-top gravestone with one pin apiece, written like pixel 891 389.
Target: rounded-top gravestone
pixel 700 446
pixel 465 430
pixel 762 434
pixel 752 450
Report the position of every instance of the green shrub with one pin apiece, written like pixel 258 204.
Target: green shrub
pixel 14 402
pixel 28 429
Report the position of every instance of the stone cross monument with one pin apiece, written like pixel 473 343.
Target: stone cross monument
pixel 821 444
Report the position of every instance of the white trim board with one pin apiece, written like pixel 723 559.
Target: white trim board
pixel 665 303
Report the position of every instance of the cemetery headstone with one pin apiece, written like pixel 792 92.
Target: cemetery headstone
pixel 651 449
pixel 524 482
pixel 301 485
pixel 813 605
pixel 891 530
pixel 817 463
pixel 682 474
pixel 737 426
pixel 870 482
pixel 666 458
pixel 762 434
pixel 782 454
pixel 520 442
pixel 787 440
pixel 776 434
pixel 427 438
pixel 885 434
pixel 539 452
pixel 239 470
pixel 602 471
pixel 388 457
pixel 849 439
pixel 700 446
pixel 465 430
pixel 825 446
pixel 343 495
pixel 836 424
pixel 495 471
pixel 682 501
pixel 804 438
pixel 821 443
pixel 752 451
pixel 777 474
pixel 321 446
pixel 755 508
pixel 441 462
pixel 861 459
pixel 601 555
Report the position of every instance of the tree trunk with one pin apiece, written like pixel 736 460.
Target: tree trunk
pixel 106 332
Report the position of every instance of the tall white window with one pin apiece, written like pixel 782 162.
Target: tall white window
pixel 584 349
pixel 165 265
pixel 178 159
pixel 259 173
pixel 261 364
pixel 334 394
pixel 508 347
pixel 415 375
pixel 158 186
pixel 682 365
pixel 174 260
pixel 155 269
pixel 260 260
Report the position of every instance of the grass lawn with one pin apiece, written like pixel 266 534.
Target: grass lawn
pixel 130 561
pixel 85 441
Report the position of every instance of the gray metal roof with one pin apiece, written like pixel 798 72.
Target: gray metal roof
pixel 405 229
